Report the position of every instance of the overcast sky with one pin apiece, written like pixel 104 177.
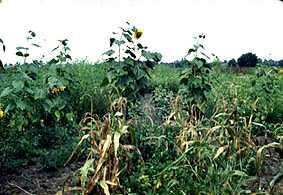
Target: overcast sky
pixel 232 27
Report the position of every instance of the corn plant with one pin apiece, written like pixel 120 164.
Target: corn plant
pixel 106 146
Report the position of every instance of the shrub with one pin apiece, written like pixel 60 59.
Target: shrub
pixel 247 60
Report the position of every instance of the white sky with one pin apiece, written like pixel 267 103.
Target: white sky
pixel 233 27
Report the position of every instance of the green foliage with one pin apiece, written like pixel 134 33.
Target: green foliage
pixel 264 93
pixel 92 95
pixel 247 60
pixel 232 63
pixel 34 109
pixel 34 100
pixel 194 80
pixel 180 157
pixel 166 77
pixel 131 62
pixel 56 154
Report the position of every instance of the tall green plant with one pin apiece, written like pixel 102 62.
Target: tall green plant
pixel 194 80
pixel 131 62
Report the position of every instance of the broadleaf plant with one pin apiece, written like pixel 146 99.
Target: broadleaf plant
pixel 194 80
pixel 131 62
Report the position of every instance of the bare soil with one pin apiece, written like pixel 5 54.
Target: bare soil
pixel 34 180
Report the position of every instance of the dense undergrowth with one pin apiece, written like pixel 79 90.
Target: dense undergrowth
pixel 143 127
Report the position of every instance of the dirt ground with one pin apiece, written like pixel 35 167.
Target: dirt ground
pixel 33 180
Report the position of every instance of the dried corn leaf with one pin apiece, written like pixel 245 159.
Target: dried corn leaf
pixel 105 188
pixel 259 158
pixel 220 151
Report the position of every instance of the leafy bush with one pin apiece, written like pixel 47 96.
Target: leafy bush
pixel 92 95
pixel 247 60
pixel 34 100
pixel 34 105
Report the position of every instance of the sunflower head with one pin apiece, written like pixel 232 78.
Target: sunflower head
pixel 138 33
pixel 2 114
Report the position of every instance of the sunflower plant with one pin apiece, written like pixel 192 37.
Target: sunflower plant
pixel 32 98
pixel 63 53
pixel 195 79
pixel 23 51
pixel 131 62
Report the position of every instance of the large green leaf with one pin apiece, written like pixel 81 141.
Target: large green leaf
pixel 131 53
pixel 19 53
pixel 7 91
pixel 112 40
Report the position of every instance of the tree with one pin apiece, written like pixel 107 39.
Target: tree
pixel 232 63
pixel 280 63
pixel 247 60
